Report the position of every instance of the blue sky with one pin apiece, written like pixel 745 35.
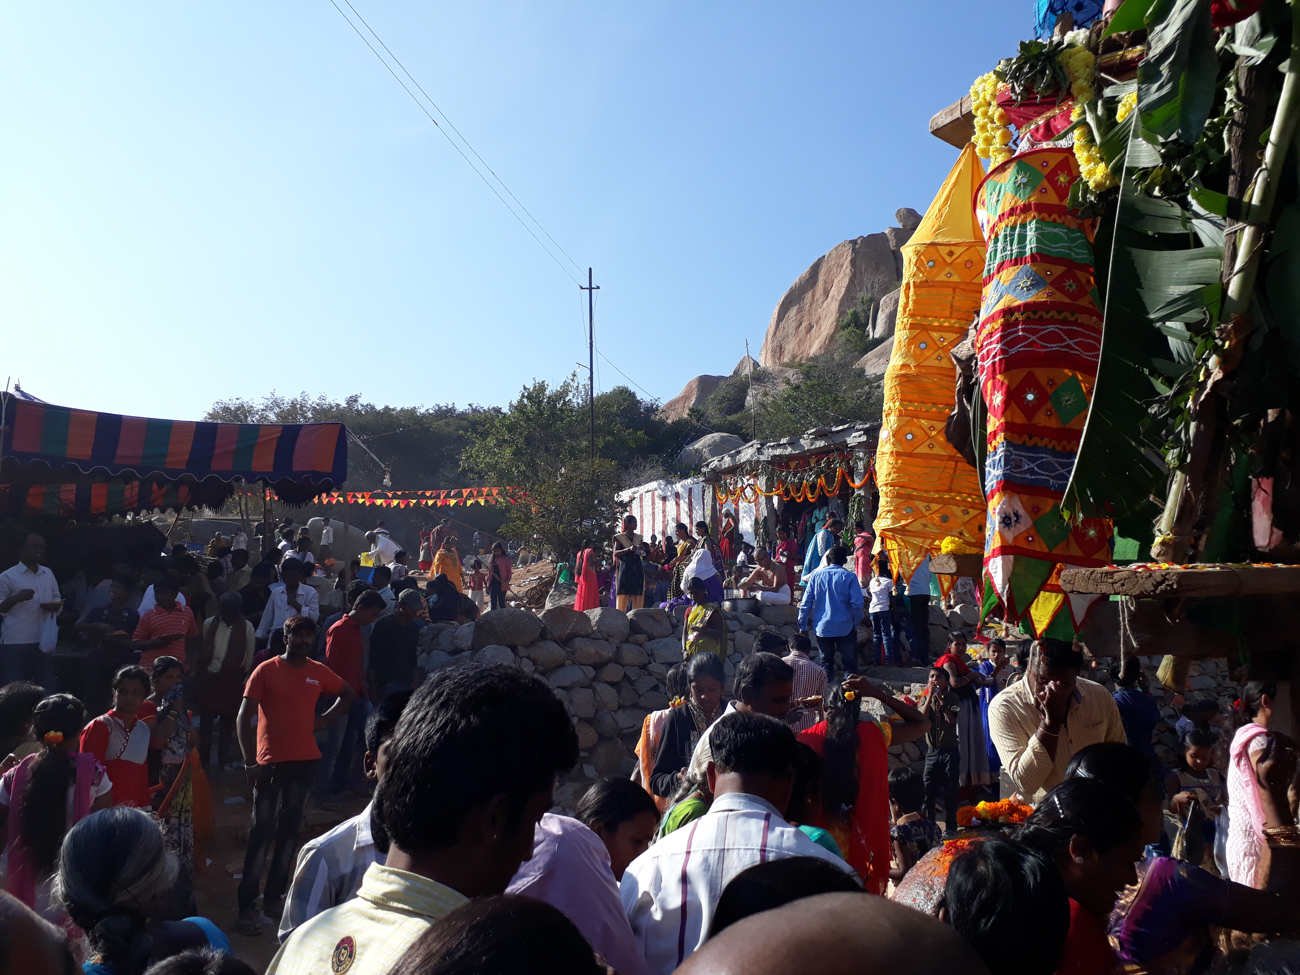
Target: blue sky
pixel 206 200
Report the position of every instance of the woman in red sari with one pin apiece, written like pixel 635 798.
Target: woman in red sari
pixel 584 570
pixel 855 777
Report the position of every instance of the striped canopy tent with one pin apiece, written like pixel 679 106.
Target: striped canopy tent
pixel 63 461
pixel 929 495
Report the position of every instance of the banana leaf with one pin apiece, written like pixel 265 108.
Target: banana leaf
pixel 1178 79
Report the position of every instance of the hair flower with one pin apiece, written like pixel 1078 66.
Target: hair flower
pixel 53 738
pixel 850 695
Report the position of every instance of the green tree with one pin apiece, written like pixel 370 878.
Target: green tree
pixel 541 443
pixel 830 390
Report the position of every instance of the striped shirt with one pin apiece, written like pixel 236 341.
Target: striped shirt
pixel 670 892
pixel 809 681
pixel 329 871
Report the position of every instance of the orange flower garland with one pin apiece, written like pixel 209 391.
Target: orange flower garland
pixel 1003 811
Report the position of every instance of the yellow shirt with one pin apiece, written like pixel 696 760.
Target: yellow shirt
pixel 368 934
pixel 448 563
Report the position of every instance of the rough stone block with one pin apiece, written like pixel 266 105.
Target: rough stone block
pixel 462 638
pixel 611 673
pixel 612 758
pixel 606 696
pixel 563 623
pixel 435 660
pixel 590 652
pixel 631 655
pixel 743 643
pixel 665 651
pixel 610 623
pixel 587 737
pixel 651 622
pixel 495 654
pixel 570 675
pixel 546 654
pixel 582 702
pixel 748 621
pixel 605 723
pixel 627 695
pixel 653 700
pixel 508 627
pixel 629 718
pixel 779 615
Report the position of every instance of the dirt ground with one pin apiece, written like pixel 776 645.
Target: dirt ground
pixel 223 861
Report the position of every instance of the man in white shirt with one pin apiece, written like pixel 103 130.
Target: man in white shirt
pixel 1039 723
pixel 326 533
pixel 290 597
pixel 670 892
pixel 29 596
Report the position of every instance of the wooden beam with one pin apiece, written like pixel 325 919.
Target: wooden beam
pixel 958 565
pixel 955 124
pixel 1195 581
pixel 1154 634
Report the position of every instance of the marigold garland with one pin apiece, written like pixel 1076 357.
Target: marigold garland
pixel 1092 167
pixel 992 137
pixel 1127 105
pixel 1004 811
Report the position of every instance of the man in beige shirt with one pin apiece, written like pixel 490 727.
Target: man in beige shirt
pixel 458 826
pixel 1038 724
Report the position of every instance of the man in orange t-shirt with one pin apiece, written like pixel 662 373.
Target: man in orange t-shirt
pixel 165 630
pixel 280 757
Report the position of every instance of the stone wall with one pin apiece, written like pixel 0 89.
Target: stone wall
pixel 609 669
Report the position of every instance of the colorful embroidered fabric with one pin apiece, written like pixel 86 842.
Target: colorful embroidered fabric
pixel 1038 345
pixel 927 491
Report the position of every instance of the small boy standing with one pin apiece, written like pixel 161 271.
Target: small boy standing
pixel 942 760
pixel 911 835
pixel 477 583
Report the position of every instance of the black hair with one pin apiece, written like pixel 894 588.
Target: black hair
pixel 753 744
pixel 382 721
pixel 437 770
pixel 767 886
pixel 940 672
pixel 681 527
pixel 907 789
pixel 399 554
pixel 704 665
pixel 838 555
pixel 502 935
pixel 132 672
pixel 162 666
pixel 1202 705
pixel 382 576
pixel 368 599
pixel 296 623
pixel 43 811
pixel 770 642
pixel 702 526
pixel 1119 766
pixel 613 801
pixel 1010 905
pixel 757 671
pixel 355 588
pixel 291 564
pixel 201 961
pixel 1199 738
pixel 17 702
pixel 801 643
pixel 840 754
pixel 807 788
pixel 240 556
pixel 676 681
pixel 1253 693
pixel 167 583
pixel 1060 654
pixel 1129 673
pixel 1084 807
pixel 215 570
pixel 997 641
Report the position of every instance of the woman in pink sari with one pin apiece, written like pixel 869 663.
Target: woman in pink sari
pixel 1246 841
pixel 43 796
pixel 584 570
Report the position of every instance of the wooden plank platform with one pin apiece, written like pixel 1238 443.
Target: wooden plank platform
pixel 955 124
pixel 1183 582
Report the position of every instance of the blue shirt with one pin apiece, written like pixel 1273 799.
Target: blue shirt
pixel 1140 714
pixel 832 602
pixel 919 584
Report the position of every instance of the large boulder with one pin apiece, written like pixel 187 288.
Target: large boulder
pixel 462 638
pixel 563 623
pixel 665 651
pixel 509 627
pixel 699 452
pixel 875 362
pixel 609 623
pixel 651 622
pixel 546 655
pixel 693 395
pixel 886 316
pixel 568 676
pixel 590 652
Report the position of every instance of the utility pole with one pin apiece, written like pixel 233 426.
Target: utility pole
pixel 591 290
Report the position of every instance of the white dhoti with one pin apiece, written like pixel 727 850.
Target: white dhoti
pixel 779 598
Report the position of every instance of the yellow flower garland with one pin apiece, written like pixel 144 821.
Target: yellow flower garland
pixel 1127 105
pixel 992 137
pixel 1081 67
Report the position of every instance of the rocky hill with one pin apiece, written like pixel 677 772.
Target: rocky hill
pixel 808 315
pixel 865 271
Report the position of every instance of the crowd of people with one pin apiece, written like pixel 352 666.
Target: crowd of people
pixel 768 791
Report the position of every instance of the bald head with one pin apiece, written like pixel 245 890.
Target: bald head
pixel 848 934
pixel 29 944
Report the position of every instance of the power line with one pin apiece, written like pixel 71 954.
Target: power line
pixel 602 355
pixel 446 118
pixel 461 152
